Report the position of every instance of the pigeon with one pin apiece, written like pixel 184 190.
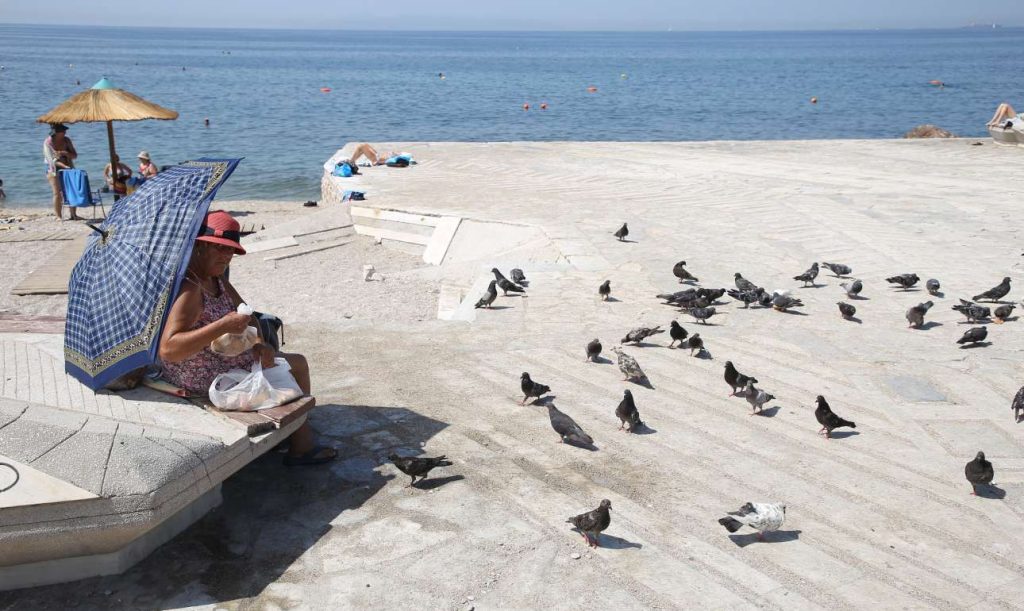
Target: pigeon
pixel 972 311
pixel 679 270
pixel 808 276
pixel 765 300
pixel 686 295
pixel 762 517
pixel 781 301
pixel 995 293
pixel 1003 312
pixel 693 302
pixel 757 398
pixel 627 412
pixel 838 269
pixel 711 295
pixel 593 349
pixel 505 284
pixel 747 297
pixel 915 315
pixel 702 314
pixel 489 296
pixel 622 232
pixel 933 286
pixel 567 428
pixel 695 343
pixel 593 522
pixel 628 366
pixel 531 388
pixel 735 379
pixel 418 466
pixel 973 335
pixel 639 334
pixel 743 284
pixel 1018 405
pixel 846 310
pixel 852 288
pixel 677 332
pixel 979 472
pixel 497 274
pixel 828 419
pixel 905 281
pixel 605 290
pixel 519 277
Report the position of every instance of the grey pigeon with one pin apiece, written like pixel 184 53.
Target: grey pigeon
pixel 1018 405
pixel 995 293
pixel 627 412
pixel 519 277
pixel 915 315
pixel 973 312
pixel 735 379
pixel 711 295
pixel 593 522
pixel 747 297
pixel 679 271
pixel 639 334
pixel 782 301
pixel 497 274
pixel 695 343
pixel 677 332
pixel 765 300
pixel 846 310
pixel 905 281
pixel 696 301
pixel 808 276
pixel 622 232
pixel 593 349
pixel 973 336
pixel 702 314
pixel 489 296
pixel 418 466
pixel 628 366
pixel 757 398
pixel 979 472
pixel 605 290
pixel 852 288
pixel 838 269
pixel 828 419
pixel 1003 312
pixel 685 295
pixel 742 283
pixel 933 286
pixel 762 517
pixel 567 428
pixel 505 284
pixel 531 388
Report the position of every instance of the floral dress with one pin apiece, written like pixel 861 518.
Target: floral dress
pixel 196 373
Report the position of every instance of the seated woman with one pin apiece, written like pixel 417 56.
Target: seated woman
pixel 1004 112
pixel 147 169
pixel 205 309
pixel 117 184
pixel 365 150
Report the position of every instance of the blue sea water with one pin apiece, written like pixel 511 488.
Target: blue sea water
pixel 261 91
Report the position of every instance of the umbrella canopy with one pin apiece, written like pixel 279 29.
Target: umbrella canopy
pixel 104 102
pixel 123 286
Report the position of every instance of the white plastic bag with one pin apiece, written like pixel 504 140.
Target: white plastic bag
pixel 246 391
pixel 233 344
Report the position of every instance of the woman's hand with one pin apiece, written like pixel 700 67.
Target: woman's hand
pixel 264 354
pixel 234 322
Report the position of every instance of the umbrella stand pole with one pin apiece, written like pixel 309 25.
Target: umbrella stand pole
pixel 113 162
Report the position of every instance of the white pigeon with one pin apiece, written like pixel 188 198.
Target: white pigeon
pixel 762 517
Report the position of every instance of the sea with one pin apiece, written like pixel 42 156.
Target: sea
pixel 285 100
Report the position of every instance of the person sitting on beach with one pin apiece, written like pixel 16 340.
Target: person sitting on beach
pixel 147 169
pixel 205 309
pixel 365 150
pixel 117 185
pixel 1004 113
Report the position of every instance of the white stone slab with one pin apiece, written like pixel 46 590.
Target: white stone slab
pixel 35 487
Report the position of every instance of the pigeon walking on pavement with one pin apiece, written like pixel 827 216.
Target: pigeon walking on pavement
pixel 782 301
pixel 639 334
pixel 505 284
pixel 852 289
pixel 828 419
pixel 1018 405
pixel 808 276
pixel 593 349
pixel 489 296
pixel 677 332
pixel 567 428
pixel 519 277
pixel 418 466
pixel 742 283
pixel 972 311
pixel 747 297
pixel 702 314
pixel 995 293
pixel 979 472
pixel 757 398
pixel 915 315
pixel 695 344
pixel 593 523
pixel 1003 312
pixel 933 286
pixel 627 412
pixel 838 269
pixel 605 290
pixel 628 366
pixel 904 281
pixel 531 388
pixel 735 379
pixel 622 232
pixel 974 335
pixel 679 271
pixel 762 517
pixel 846 310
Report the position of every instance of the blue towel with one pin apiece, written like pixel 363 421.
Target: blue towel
pixel 75 184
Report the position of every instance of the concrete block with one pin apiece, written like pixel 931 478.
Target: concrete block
pixel 138 465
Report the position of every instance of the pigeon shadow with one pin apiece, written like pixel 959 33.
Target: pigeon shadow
pixel 1011 319
pixel 642 382
pixel 628 241
pixel 602 361
pixel 497 308
pixel 843 434
pixel 975 345
pixel 931 324
pixel 437 482
pixel 612 300
pixel 514 295
pixel 583 446
pixel 779 536
pixel 855 319
pixel 769 412
pixel 792 312
pixel 938 294
pixel 704 354
pixel 611 542
pixel 857 298
pixel 990 491
pixel 643 430
pixel 813 285
pixel 976 321
pixel 544 401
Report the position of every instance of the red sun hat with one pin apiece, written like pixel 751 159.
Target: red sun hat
pixel 219 227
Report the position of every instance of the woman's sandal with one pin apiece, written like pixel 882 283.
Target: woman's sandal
pixel 312 457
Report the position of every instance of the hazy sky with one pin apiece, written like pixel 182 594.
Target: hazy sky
pixel 520 14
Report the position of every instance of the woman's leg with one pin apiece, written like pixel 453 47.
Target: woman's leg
pixel 304 438
pixel 364 150
pixel 1003 112
pixel 58 199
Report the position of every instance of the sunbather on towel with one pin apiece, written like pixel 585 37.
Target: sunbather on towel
pixel 1004 113
pixel 365 150
pixel 205 309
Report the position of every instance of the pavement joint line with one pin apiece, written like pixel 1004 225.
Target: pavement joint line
pixel 16 418
pixel 106 463
pixel 54 446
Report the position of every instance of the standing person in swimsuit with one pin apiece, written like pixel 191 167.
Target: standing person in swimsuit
pixel 205 309
pixel 56 146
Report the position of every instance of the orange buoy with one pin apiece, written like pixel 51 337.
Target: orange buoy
pixel 526 106
pixel 325 89
pixel 814 100
pixel 543 105
pixel 592 89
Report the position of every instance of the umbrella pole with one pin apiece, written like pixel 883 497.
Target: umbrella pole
pixel 113 162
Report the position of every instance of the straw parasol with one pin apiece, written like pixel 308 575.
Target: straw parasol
pixel 106 103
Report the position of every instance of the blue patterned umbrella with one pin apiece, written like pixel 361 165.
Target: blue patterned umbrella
pixel 123 286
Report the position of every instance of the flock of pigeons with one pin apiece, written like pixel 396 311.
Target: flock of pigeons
pixel 699 303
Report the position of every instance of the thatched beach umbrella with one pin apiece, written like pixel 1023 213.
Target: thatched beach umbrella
pixel 106 103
